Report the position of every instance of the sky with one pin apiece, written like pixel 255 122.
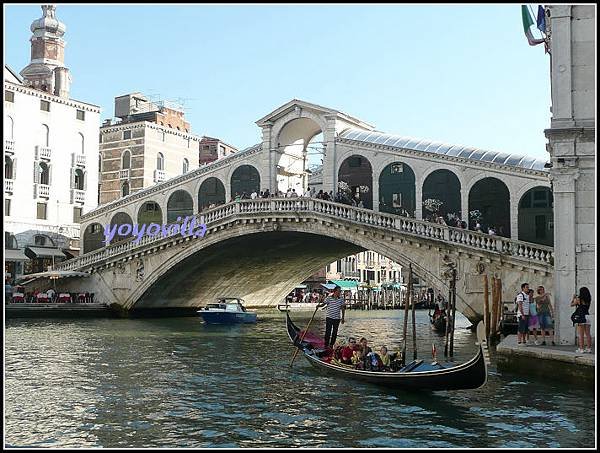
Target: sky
pixel 458 74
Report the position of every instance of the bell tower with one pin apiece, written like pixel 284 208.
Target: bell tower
pixel 46 71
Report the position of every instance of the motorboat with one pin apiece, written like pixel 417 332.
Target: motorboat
pixel 227 310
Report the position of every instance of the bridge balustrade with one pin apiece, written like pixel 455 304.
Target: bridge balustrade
pixel 420 228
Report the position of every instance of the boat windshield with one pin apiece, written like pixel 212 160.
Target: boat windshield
pixel 232 307
pixel 215 306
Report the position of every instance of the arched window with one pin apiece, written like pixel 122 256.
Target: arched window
pixel 491 198
pixel 44 173
pixel 355 180
pixel 8 168
pixel 149 212
pixel 43 241
pixel 186 166
pixel 441 186
pixel 126 160
pixel 536 216
pixel 93 237
pixel 125 189
pixel 81 140
pixel 180 204
pixel 45 135
pixel 121 218
pixel 79 179
pixel 397 192
pixel 245 180
pixel 160 161
pixel 11 241
pixel 212 191
pixel 9 125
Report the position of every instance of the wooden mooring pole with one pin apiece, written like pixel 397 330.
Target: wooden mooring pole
pixel 486 309
pixel 412 304
pixel 453 292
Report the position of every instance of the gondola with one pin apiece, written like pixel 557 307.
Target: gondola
pixel 416 375
pixel 438 321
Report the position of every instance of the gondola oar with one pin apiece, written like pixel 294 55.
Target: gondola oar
pixel 304 334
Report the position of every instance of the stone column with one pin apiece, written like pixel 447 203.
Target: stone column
pixel 514 216
pixel 464 205
pixel 565 273
pixel 330 158
pixel 418 199
pixel 267 161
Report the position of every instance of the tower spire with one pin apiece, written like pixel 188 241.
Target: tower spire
pixel 46 70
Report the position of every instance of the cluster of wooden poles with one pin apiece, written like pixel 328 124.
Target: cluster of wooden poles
pixel 450 317
pixel 492 313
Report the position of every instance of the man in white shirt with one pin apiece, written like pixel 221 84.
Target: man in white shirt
pixel 253 195
pixel 523 314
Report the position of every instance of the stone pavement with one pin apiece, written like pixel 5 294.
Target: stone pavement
pixel 554 362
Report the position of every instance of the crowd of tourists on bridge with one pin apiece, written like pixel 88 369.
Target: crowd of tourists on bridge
pixel 535 315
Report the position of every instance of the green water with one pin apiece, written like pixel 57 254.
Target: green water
pixel 179 383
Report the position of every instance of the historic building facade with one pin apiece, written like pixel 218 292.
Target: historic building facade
pixel 572 148
pixel 365 267
pixel 150 143
pixel 50 155
pixel 212 149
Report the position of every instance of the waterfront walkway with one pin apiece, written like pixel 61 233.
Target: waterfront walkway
pixel 561 362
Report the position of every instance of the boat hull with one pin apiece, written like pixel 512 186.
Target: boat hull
pixel 227 318
pixel 469 375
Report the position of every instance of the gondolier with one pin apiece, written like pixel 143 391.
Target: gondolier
pixel 336 307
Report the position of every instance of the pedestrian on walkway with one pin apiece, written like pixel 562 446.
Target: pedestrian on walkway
pixel 545 314
pixel 581 318
pixel 336 308
pixel 533 322
pixel 522 301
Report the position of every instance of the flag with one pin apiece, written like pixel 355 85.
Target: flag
pixel 541 19
pixel 527 23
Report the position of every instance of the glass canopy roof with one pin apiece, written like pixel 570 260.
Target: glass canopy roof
pixel 467 152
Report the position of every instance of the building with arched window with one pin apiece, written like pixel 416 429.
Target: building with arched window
pixel 152 138
pixel 50 164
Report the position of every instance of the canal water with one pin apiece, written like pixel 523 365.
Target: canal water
pixel 176 382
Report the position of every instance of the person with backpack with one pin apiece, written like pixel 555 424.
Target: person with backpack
pixel 522 301
pixel 581 318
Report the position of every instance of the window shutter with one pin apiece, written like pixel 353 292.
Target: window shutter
pixel 85 180
pixel 72 178
pixel 36 172
pixel 49 174
pixel 14 173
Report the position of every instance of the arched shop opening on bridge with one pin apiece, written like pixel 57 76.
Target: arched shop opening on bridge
pixel 536 216
pixel 148 213
pixel 121 218
pixel 211 192
pixel 397 189
pixel 245 179
pixel 93 237
pixel 442 186
pixel 293 143
pixel 489 198
pixel 180 204
pixel 355 180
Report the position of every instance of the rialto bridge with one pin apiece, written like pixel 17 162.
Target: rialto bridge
pixel 260 249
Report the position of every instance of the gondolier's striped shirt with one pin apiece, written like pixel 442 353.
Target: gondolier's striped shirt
pixel 334 307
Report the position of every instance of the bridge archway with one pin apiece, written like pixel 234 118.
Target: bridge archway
pixel 292 141
pixel 212 191
pixel 397 190
pixel 491 197
pixel 119 219
pixel 93 238
pixel 180 204
pixel 442 185
pixel 536 216
pixel 357 172
pixel 245 178
pixel 148 213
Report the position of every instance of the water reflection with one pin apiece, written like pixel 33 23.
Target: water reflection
pixel 177 382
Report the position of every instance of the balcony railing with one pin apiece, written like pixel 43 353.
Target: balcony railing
pixel 78 160
pixel 43 152
pixel 9 146
pixel 77 196
pixel 41 191
pixel 159 175
pixel 124 174
pixel 8 185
